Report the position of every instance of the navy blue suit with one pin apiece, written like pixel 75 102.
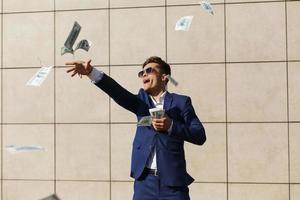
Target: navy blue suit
pixel 170 155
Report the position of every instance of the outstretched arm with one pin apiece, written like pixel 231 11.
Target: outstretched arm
pixel 121 96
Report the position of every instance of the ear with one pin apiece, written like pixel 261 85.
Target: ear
pixel 164 78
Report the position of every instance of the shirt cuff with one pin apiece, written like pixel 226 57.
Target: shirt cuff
pixel 170 129
pixel 95 75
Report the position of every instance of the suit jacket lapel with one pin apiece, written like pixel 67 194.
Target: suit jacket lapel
pixel 148 100
pixel 168 101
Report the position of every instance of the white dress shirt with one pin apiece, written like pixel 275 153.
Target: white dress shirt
pixel 151 162
pixel 95 75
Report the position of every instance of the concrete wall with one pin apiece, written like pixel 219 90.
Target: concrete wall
pixel 241 66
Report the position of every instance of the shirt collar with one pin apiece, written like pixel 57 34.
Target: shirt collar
pixel 161 98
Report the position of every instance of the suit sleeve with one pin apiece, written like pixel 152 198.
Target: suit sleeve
pixel 191 130
pixel 119 94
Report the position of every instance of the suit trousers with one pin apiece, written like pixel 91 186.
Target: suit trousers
pixel 149 187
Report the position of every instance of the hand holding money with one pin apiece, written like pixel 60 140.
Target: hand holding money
pixel 162 124
pixel 79 67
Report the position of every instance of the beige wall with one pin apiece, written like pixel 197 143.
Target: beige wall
pixel 241 67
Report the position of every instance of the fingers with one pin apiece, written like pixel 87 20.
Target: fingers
pixel 158 123
pixel 70 63
pixel 70 70
pixel 89 62
pixel 74 62
pixel 79 67
pixel 160 120
pixel 158 126
pixel 161 124
pixel 74 73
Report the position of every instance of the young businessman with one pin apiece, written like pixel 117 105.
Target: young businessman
pixel 158 161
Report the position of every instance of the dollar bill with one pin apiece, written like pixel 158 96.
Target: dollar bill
pixel 84 44
pixel 23 148
pixel 51 197
pixel 69 43
pixel 157 112
pixel 184 23
pixel 172 80
pixel 145 121
pixel 65 50
pixel 72 36
pixel 39 77
pixel 207 6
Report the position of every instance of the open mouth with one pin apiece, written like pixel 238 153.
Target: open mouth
pixel 146 81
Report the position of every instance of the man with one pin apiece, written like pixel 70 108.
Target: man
pixel 158 161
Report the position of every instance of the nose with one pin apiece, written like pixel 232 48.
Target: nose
pixel 144 74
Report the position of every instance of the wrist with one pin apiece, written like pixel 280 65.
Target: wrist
pixel 89 70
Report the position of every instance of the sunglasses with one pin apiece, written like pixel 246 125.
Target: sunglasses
pixel 149 70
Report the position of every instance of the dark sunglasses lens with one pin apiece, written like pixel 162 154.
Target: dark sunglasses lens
pixel 140 74
pixel 149 70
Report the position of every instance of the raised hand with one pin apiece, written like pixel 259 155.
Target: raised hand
pixel 79 67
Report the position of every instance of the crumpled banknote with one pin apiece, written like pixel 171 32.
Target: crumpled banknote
pixel 65 50
pixel 172 80
pixel 84 44
pixel 23 148
pixel 206 6
pixel 184 23
pixel 145 121
pixel 39 77
pixel 68 46
pixel 157 112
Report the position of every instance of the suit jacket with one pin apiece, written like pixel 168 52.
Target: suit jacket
pixel 170 155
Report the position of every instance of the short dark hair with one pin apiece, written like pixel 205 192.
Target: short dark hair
pixel 164 67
